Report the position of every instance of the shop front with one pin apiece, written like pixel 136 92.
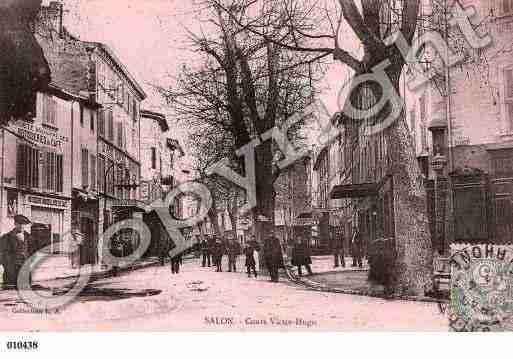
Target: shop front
pixel 48 215
pixel 84 225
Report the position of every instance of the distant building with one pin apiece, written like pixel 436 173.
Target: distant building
pixel 158 160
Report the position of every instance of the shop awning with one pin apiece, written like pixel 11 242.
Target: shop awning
pixel 305 215
pixel 354 190
pixel 129 205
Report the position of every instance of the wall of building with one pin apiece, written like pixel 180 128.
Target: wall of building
pixel 46 199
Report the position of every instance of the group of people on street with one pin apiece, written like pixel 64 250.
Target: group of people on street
pixel 212 252
pixel 356 247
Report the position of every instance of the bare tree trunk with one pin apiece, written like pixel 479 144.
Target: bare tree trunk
pixel 413 256
pixel 232 212
pixel 265 197
pixel 212 215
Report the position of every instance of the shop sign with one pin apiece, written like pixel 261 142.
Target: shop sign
pixel 305 222
pixel 53 202
pixel 39 134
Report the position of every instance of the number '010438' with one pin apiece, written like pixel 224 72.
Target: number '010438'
pixel 22 345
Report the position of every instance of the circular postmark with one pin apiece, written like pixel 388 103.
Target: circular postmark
pixel 481 288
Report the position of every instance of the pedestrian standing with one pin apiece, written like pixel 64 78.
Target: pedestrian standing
pixel 211 244
pixel 338 250
pixel 175 263
pixel 357 248
pixel 272 256
pixel 16 247
pixel 218 255
pixel 204 253
pixel 233 250
pixel 250 264
pixel 301 257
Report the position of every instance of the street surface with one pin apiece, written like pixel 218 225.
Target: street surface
pixel 201 299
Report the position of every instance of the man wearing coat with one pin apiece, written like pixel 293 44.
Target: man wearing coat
pixel 204 253
pixel 217 254
pixel 338 249
pixel 357 248
pixel 233 251
pixel 272 256
pixel 16 247
pixel 301 257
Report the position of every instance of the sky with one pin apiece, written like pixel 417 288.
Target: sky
pixel 149 37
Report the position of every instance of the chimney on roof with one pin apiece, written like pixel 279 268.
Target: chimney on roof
pixel 52 16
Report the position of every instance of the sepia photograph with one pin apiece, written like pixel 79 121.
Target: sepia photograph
pixel 253 166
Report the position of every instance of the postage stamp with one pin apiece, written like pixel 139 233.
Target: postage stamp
pixel 481 288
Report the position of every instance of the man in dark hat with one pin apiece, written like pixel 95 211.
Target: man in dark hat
pixel 15 248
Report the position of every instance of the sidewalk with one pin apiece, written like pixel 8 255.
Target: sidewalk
pixel 348 280
pixel 58 267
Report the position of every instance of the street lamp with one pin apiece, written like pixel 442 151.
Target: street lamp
pixel 438 164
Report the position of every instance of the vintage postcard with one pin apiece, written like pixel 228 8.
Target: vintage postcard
pixel 256 165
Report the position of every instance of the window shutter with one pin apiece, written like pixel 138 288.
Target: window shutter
pixel 508 79
pixel 60 173
pixel 413 129
pixel 120 134
pixel 101 123
pixel 153 158
pixel 135 111
pixel 54 112
pixel 85 165
pixel 101 174
pixel 506 7
pixel 93 172
pixel 20 165
pixel 91 119
pixel 111 125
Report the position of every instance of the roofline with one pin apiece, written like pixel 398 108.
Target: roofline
pixel 67 95
pixel 160 118
pixel 121 66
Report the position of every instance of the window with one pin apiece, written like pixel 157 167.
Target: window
pixel 27 168
pixel 129 104
pixel 37 168
pixel 423 127
pixel 81 115
pixel 93 171
pixel 49 109
pixel 101 123
pixel 120 134
pixel 110 177
pixel 85 167
pixel 508 96
pixel 91 121
pixel 413 128
pixel 506 7
pixel 110 125
pixel 153 158
pixel 52 171
pixel 134 111
pixel 127 182
pixel 118 181
pixel 101 174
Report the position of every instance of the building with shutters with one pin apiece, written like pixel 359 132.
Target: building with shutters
pixel 118 133
pixel 41 152
pixel 461 132
pixel 159 158
pixel 72 165
pixel 467 117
